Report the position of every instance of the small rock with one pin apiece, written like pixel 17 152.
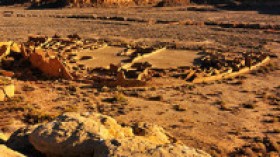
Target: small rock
pixel 86 57
pixel 156 98
pixel 178 107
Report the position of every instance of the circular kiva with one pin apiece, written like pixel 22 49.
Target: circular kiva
pixel 126 64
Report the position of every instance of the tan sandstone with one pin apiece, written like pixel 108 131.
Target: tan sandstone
pixel 97 135
pixel 7 152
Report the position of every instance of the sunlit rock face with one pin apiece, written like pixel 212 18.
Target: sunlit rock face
pixel 97 135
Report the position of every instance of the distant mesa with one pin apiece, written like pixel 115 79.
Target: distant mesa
pixel 155 3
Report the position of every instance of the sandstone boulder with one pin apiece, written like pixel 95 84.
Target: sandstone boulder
pixel 7 152
pixel 97 135
pixel 3 138
pixel 7 88
pixel 4 50
pixel 18 141
pixel 73 134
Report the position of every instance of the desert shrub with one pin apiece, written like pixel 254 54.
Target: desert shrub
pixel 36 116
pixel 119 97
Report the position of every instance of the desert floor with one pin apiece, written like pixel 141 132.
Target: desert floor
pixel 221 117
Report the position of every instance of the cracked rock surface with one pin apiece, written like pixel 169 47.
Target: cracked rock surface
pixel 97 135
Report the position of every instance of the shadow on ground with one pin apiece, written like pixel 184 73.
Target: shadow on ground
pixel 261 6
pixel 35 6
pixel 262 9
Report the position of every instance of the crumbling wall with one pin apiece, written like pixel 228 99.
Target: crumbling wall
pixel 50 66
pixel 119 80
pixel 231 74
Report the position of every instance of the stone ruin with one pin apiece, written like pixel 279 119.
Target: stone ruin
pixel 217 66
pixel 6 84
pixel 53 56
pixel 136 76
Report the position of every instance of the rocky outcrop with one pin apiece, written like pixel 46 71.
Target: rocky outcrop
pixel 97 135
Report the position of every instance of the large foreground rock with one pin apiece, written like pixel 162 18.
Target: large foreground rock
pixel 96 135
pixel 19 141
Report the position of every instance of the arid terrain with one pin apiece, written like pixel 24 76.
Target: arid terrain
pixel 228 117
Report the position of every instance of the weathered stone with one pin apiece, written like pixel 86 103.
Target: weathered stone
pixel 2 95
pixel 49 66
pixel 7 88
pixel 3 138
pixel 18 141
pixel 96 135
pixel 4 50
pixel 7 152
pixel 7 73
pixel 179 107
pixel 72 134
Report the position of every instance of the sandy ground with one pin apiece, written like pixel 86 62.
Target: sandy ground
pixel 220 117
pixel 101 57
pixel 171 59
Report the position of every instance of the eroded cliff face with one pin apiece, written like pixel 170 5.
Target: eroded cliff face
pixel 101 3
pixel 160 3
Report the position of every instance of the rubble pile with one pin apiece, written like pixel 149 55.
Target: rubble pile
pixel 216 66
pixel 137 75
pixel 225 62
pixel 7 88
